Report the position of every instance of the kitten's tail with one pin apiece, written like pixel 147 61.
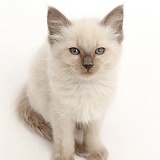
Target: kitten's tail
pixel 37 123
pixel 33 120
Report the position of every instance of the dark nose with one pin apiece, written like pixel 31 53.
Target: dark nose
pixel 87 62
pixel 88 66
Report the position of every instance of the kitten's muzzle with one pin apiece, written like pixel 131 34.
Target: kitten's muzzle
pixel 87 62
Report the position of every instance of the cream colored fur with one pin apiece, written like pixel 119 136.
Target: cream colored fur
pixel 64 94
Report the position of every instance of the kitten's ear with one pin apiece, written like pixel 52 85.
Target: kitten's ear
pixel 56 20
pixel 114 19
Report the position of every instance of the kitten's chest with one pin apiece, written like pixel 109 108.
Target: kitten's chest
pixel 84 101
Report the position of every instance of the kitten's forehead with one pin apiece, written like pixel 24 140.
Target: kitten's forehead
pixel 87 33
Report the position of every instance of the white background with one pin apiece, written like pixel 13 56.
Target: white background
pixel 132 126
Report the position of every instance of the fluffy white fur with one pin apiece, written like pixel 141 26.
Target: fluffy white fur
pixel 54 81
pixel 62 92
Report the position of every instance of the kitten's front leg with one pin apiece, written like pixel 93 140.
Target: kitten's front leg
pixel 93 143
pixel 63 135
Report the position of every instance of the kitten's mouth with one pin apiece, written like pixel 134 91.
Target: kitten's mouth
pixel 87 72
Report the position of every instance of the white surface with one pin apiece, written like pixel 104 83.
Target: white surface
pixel 132 127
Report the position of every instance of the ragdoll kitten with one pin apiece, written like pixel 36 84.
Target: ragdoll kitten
pixel 72 82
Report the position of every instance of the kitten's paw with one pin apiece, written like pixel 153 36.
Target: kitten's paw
pixel 100 154
pixel 80 149
pixel 62 157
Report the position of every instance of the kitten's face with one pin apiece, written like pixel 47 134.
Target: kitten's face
pixel 86 46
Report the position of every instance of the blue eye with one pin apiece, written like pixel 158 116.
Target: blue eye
pixel 100 50
pixel 74 51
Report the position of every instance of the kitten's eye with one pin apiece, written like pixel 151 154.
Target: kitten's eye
pixel 100 50
pixel 74 51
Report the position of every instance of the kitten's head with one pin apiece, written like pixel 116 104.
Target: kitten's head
pixel 86 47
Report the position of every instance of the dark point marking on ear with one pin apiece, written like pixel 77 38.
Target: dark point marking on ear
pixel 114 19
pixel 56 20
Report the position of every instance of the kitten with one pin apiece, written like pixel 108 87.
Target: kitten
pixel 73 80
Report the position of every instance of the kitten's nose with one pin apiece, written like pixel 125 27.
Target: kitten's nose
pixel 87 62
pixel 88 66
